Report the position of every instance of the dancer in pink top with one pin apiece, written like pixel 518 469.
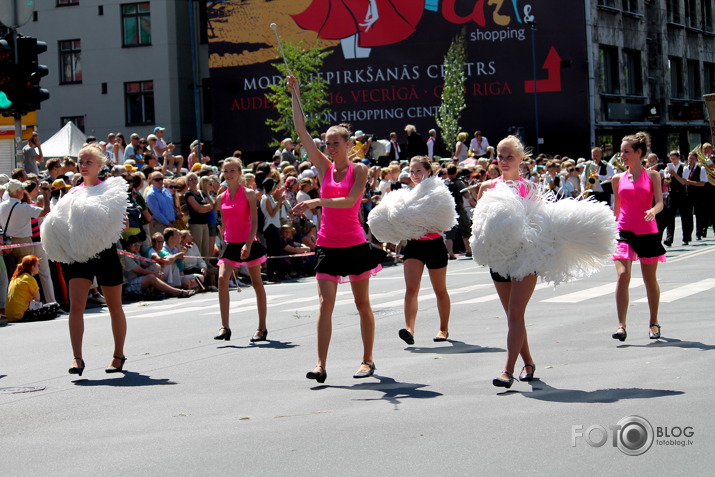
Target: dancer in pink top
pixel 240 224
pixel 638 197
pixel 342 253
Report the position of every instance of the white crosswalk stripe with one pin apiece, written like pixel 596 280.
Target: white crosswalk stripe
pixel 684 291
pixel 588 293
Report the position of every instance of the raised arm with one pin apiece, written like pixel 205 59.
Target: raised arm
pixel 317 158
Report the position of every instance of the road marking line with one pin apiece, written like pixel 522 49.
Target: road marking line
pixel 684 291
pixel 494 296
pixel 692 254
pixel 588 293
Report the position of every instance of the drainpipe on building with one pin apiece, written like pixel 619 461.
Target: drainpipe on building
pixel 195 70
pixel 591 74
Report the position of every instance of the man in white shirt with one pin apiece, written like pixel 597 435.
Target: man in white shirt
pixel 479 144
pixel 430 143
pixel 393 148
pixel 602 172
pixel 694 178
pixel 162 149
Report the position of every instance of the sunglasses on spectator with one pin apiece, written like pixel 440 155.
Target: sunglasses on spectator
pixel 571 169
pixel 158 179
pixel 171 187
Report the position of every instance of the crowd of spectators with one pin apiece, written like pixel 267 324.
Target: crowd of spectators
pixel 174 234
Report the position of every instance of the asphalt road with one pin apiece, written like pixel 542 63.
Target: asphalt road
pixel 189 405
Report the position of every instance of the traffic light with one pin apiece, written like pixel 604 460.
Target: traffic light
pixel 7 75
pixel 29 74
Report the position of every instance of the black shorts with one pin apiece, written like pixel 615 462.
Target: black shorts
pixel 106 267
pixel 232 251
pixel 500 278
pixel 433 252
pixel 344 261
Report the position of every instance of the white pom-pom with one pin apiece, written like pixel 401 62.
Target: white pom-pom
pixel 85 221
pixel 408 214
pixel 582 237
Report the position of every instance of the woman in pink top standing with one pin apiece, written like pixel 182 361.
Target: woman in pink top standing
pixel 638 197
pixel 342 253
pixel 240 224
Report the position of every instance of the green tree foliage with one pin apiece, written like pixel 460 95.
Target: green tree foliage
pixel 305 63
pixel 450 109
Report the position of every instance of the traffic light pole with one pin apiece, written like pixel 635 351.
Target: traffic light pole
pixel 19 159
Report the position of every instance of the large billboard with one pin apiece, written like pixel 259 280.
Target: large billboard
pixel 386 67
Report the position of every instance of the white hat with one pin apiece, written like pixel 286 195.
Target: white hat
pixel 359 134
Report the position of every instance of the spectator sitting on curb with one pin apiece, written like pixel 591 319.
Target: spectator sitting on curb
pixel 143 276
pixel 23 299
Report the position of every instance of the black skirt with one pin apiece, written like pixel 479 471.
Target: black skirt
pixel 232 251
pixel 346 261
pixel 645 245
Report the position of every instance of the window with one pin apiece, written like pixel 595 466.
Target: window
pixel 630 6
pixel 608 64
pixel 77 120
pixel 632 72
pixel 607 3
pixel 136 24
pixel 707 14
pixel 691 13
pixel 673 11
pixel 694 90
pixel 62 3
pixel 675 65
pixel 139 102
pixel 709 77
pixel 70 64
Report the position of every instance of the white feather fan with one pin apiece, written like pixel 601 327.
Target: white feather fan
pixel 407 214
pixel 558 240
pixel 85 221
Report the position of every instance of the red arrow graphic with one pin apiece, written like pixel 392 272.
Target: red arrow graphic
pixel 552 83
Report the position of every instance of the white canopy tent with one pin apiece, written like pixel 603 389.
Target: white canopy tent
pixel 65 142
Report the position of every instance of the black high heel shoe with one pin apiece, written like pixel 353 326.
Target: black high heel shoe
pixel 365 374
pixel 77 369
pixel 503 383
pixel 224 334
pixel 263 337
pixel 524 376
pixel 620 334
pixel 320 377
pixel 656 335
pixel 122 359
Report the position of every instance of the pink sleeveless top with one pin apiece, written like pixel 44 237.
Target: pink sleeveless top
pixel 236 216
pixel 635 198
pixel 523 185
pixel 339 227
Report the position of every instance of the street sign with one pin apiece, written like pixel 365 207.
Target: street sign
pixel 15 13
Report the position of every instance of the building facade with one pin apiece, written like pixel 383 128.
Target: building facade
pixel 124 66
pixel 129 66
pixel 653 60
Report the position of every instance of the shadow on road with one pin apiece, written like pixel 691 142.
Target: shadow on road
pixel 275 344
pixel 130 379
pixel 669 342
pixel 543 392
pixel 458 347
pixel 393 391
